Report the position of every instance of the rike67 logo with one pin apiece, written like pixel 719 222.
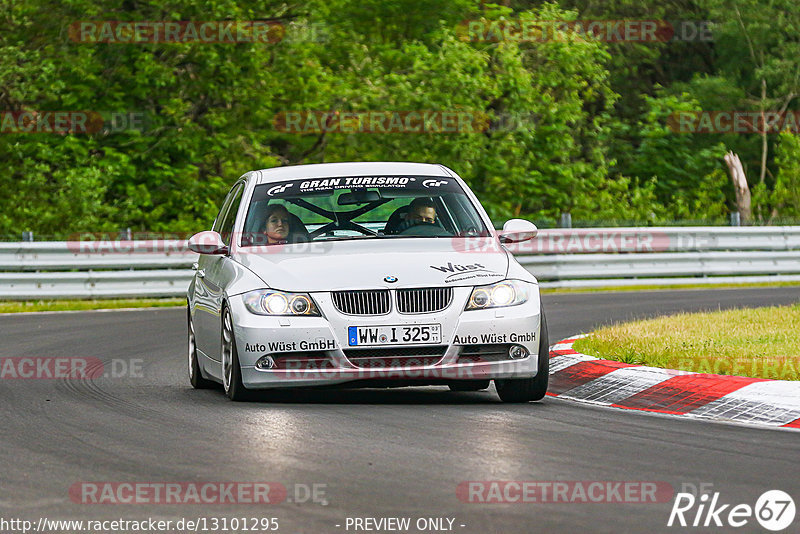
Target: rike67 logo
pixel 774 510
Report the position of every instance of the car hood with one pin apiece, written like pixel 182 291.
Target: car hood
pixel 370 264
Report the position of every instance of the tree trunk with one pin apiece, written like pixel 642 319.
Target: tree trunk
pixel 764 145
pixel 739 185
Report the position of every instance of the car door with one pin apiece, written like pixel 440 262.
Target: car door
pixel 209 289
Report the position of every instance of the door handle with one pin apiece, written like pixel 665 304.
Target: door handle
pixel 201 273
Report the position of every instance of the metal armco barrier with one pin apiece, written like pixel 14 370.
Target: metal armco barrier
pixel 95 284
pixel 661 239
pixel 581 257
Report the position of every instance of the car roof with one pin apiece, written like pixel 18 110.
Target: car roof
pixel 364 168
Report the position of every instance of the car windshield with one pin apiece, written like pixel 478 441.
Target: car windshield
pixel 360 207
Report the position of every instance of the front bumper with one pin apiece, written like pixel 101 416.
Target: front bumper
pixel 327 336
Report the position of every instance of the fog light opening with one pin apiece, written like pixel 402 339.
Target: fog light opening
pixel 265 362
pixel 517 352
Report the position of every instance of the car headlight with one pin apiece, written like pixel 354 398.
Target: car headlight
pixel 271 302
pixel 499 295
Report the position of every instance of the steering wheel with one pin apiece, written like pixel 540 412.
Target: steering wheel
pixel 425 229
pixel 471 231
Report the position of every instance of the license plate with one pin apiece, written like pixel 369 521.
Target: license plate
pixel 394 335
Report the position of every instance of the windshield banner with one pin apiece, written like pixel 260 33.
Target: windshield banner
pixel 297 188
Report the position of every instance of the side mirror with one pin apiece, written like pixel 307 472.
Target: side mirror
pixel 208 242
pixel 516 230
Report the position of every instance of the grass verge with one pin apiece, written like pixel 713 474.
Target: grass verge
pixel 758 342
pixel 12 306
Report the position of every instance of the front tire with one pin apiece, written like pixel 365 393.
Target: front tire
pixel 231 370
pixel 195 375
pixel 529 389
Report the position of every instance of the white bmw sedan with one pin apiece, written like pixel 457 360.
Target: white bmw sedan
pixel 364 275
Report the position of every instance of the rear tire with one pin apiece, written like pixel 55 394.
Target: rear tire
pixel 195 375
pixel 468 385
pixel 231 370
pixel 529 389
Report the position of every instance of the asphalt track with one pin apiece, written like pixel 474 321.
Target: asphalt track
pixel 380 453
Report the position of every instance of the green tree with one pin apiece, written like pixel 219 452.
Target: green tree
pixel 785 198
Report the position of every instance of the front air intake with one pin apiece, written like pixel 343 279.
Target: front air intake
pixel 424 300
pixel 366 302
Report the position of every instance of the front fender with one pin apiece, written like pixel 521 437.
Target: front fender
pixel 236 279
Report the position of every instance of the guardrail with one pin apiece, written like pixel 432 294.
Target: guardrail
pixel 661 239
pixel 596 257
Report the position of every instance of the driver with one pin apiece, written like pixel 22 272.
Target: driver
pixel 421 210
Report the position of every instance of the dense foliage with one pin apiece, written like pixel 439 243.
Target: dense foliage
pixel 565 124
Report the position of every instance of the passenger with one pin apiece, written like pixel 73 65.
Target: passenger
pixel 277 224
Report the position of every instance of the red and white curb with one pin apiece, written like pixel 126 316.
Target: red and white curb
pixel 585 378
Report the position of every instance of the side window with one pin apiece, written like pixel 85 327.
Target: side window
pixel 222 211
pixel 227 215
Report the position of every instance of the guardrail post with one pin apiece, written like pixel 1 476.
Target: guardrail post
pixel 566 220
pixel 27 236
pixel 736 218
